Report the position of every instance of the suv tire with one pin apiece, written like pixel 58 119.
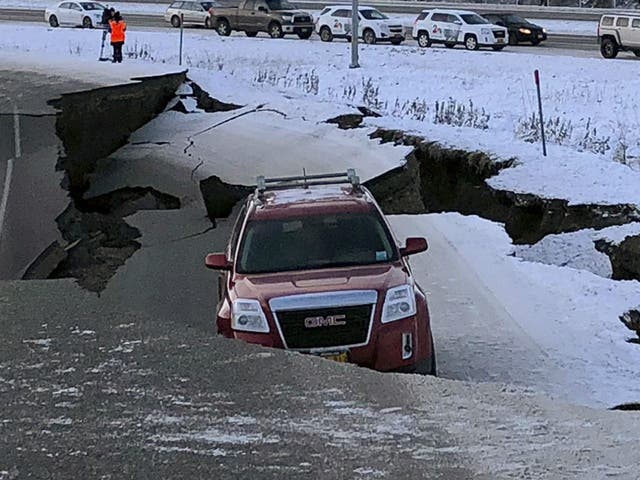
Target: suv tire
pixel 423 39
pixel 471 42
pixel 449 44
pixel 223 28
pixel 636 53
pixel 369 36
pixel 53 21
pixel 87 23
pixel 304 35
pixel 251 34
pixel 396 41
pixel 275 30
pixel 609 48
pixel 498 48
pixel 427 366
pixel 325 34
pixel 175 21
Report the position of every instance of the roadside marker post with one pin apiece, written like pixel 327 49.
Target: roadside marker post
pixel 181 35
pixel 354 34
pixel 536 75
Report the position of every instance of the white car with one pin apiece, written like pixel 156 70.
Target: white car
pixel 75 14
pixel 373 26
pixel 193 13
pixel 458 27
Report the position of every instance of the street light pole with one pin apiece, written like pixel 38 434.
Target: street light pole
pixel 354 34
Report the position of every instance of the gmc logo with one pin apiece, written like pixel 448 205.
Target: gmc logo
pixel 328 321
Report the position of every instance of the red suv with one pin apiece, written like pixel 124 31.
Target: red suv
pixel 312 266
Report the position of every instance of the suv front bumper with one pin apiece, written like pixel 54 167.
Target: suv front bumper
pixel 386 350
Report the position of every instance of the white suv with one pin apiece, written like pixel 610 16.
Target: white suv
pixel 619 33
pixel 373 26
pixel 458 27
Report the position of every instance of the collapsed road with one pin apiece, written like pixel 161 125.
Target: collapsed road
pixel 133 380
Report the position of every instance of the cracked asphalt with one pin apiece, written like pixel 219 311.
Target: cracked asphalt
pixel 133 383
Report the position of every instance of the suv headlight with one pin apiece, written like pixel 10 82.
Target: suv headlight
pixel 399 303
pixel 248 316
pixel 485 31
pixel 287 18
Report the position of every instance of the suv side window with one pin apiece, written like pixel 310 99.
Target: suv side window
pixel 249 4
pixel 622 22
pixel 607 21
pixel 635 23
pixel 454 19
pixel 439 17
pixel 324 11
pixel 342 13
pixel 422 16
pixel 176 5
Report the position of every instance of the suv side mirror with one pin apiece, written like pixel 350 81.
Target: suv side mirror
pixel 414 245
pixel 217 261
pixel 263 9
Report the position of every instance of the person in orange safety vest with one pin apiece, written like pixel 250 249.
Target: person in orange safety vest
pixel 118 27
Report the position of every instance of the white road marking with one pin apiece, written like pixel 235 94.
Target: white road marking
pixel 9 172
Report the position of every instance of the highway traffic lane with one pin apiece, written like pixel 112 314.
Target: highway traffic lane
pixel 35 197
pixel 154 22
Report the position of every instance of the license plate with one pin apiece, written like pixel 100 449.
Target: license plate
pixel 500 40
pixel 341 357
pixel 306 30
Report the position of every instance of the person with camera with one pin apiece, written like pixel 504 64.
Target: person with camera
pixel 107 16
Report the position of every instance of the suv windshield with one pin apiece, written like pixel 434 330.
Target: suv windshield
pixel 373 15
pixel 280 5
pixel 313 242
pixel 473 19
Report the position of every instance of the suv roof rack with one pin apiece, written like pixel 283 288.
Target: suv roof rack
pixel 280 183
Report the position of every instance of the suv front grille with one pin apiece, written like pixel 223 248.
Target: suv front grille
pixel 302 19
pixel 498 33
pixel 325 327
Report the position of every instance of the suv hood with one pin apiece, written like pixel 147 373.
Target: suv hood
pixel 264 287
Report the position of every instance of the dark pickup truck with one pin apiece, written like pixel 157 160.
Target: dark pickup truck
pixel 276 17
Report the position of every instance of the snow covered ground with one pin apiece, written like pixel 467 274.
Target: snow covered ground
pixel 473 100
pixel 567 318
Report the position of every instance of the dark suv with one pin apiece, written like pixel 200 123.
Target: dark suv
pixel 312 266
pixel 520 29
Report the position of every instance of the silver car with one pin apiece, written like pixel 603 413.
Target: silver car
pixel 191 13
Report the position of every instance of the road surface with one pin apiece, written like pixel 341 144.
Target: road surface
pixel 29 183
pixel 134 382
